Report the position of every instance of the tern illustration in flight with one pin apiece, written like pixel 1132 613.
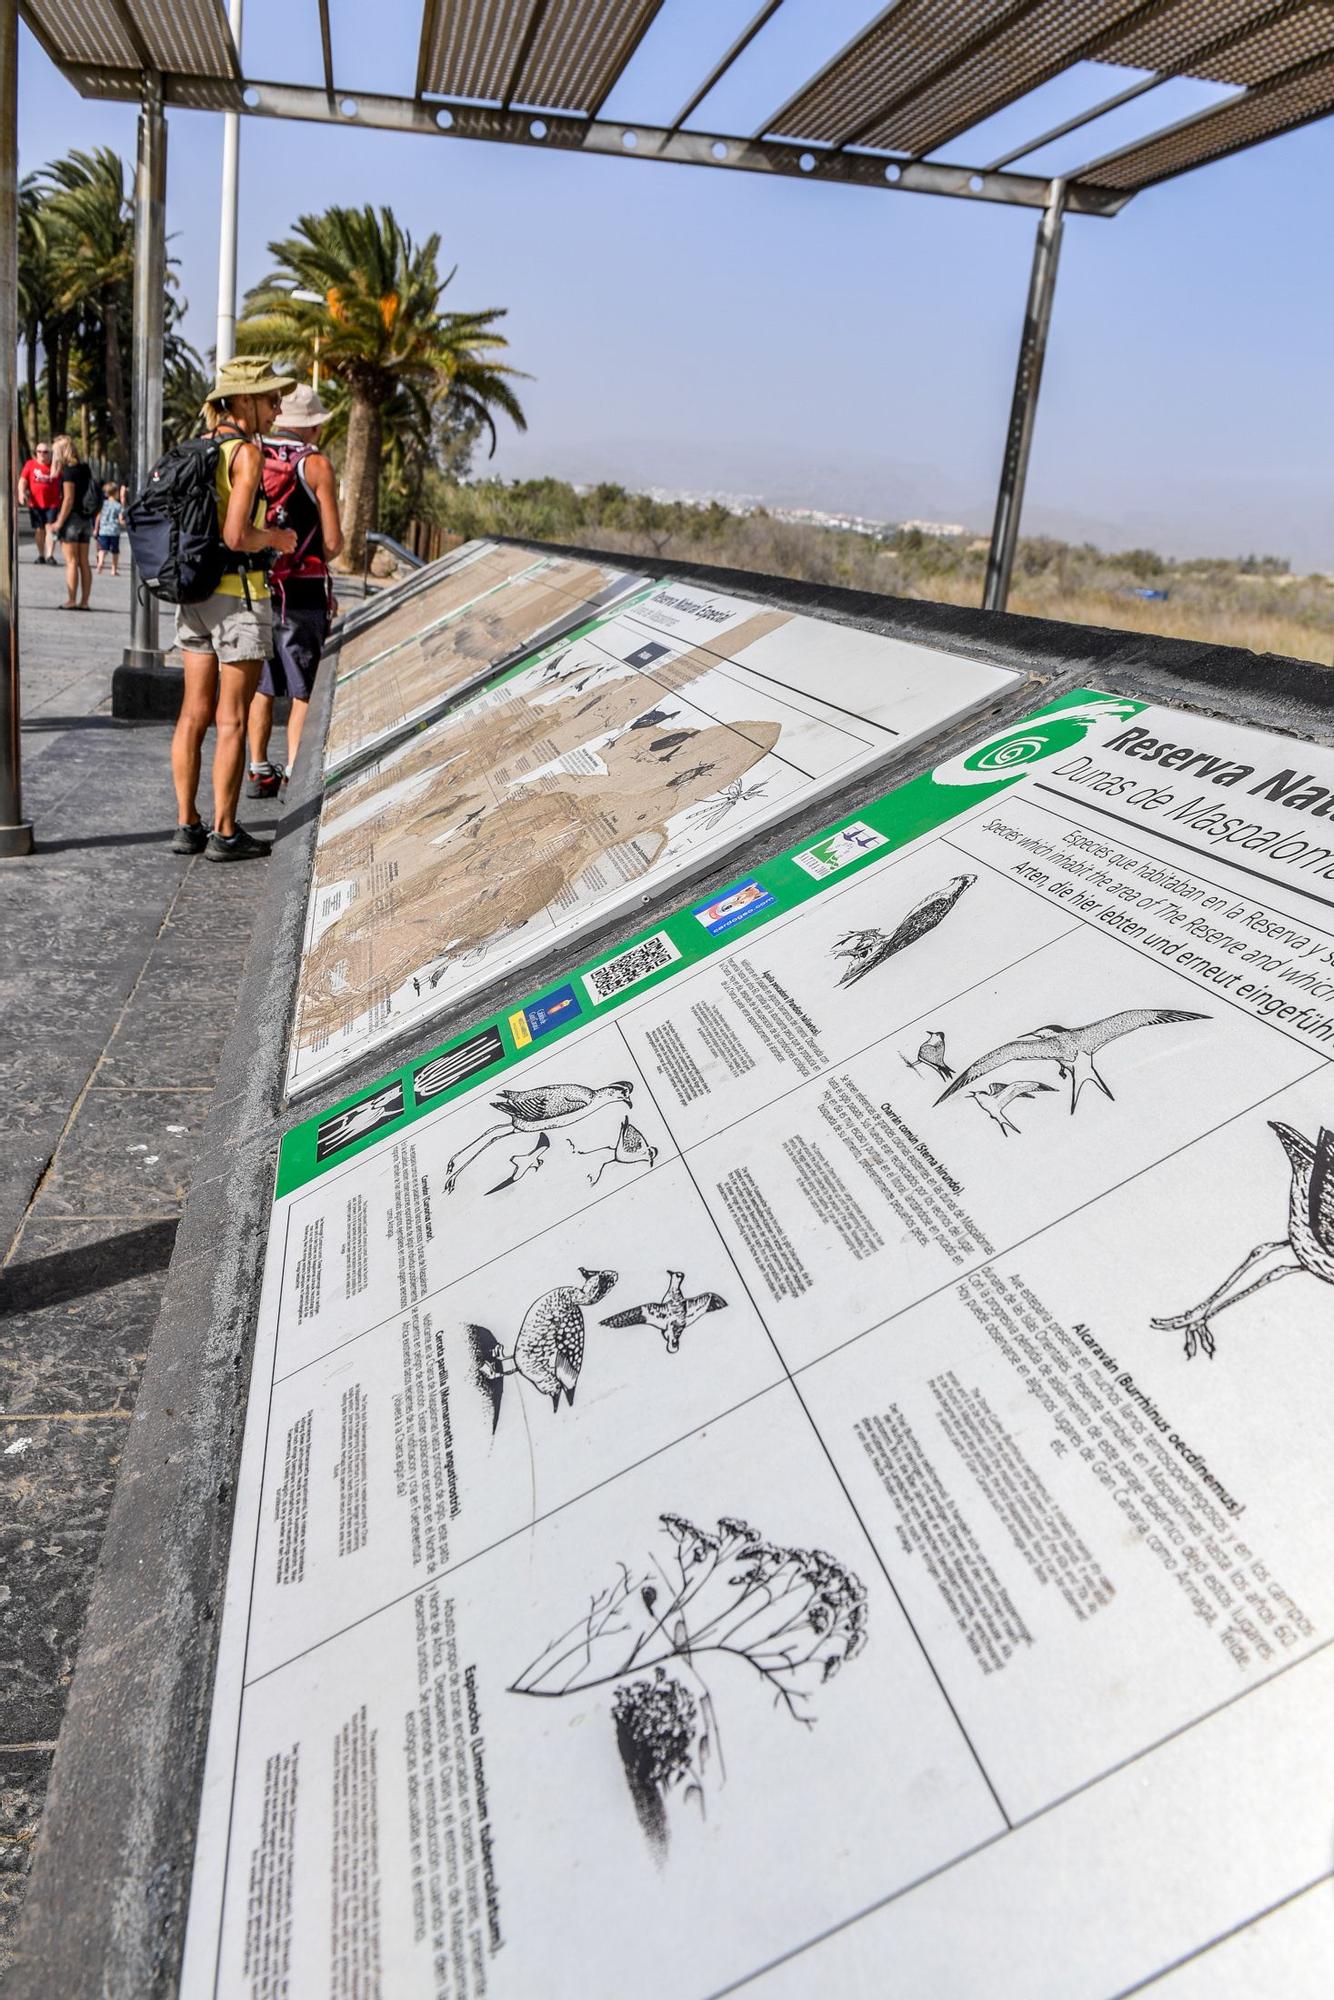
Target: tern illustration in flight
pixel 544 1109
pixel 1071 1049
pixel 996 1099
pixel 672 1313
pixel 1308 1245
pixel 869 948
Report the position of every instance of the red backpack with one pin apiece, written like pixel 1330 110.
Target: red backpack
pixel 289 503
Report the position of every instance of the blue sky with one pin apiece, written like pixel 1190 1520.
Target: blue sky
pixel 839 346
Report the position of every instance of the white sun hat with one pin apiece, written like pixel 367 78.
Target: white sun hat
pixel 302 409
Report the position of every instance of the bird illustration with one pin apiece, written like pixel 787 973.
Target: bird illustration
pixel 549 1351
pixel 631 1149
pixel 525 1162
pixel 997 1098
pixel 1308 1245
pixel 931 1055
pixel 546 1108
pixel 672 1313
pixel 655 718
pixel 1071 1049
pixel 869 948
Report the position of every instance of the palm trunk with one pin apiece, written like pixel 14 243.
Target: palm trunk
pixel 30 338
pixel 120 429
pixel 362 477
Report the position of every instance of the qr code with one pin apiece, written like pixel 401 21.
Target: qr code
pixel 629 967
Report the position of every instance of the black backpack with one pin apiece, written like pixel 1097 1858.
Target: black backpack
pixel 175 540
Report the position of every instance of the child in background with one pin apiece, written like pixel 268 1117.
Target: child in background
pixel 110 521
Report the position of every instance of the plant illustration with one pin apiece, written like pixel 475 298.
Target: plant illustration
pixel 795 1617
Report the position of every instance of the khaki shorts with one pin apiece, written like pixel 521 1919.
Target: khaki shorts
pixel 228 627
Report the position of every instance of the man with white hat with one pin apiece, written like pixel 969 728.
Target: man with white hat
pixel 300 493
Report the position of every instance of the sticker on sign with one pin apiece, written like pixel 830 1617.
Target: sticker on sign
pixel 641 961
pixel 553 1010
pixel 836 850
pixel 738 906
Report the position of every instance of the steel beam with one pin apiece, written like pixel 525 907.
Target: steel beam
pixel 15 831
pixel 150 287
pixel 559 132
pixel 1027 382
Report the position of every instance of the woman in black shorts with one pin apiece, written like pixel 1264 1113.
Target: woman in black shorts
pixel 73 526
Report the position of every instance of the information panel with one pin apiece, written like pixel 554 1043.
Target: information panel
pixel 618 760
pixel 452 637
pixel 816 1457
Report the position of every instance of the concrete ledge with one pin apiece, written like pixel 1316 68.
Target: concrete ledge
pixel 104 1917
pixel 146 694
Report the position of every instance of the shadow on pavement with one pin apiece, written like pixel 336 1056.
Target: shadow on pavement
pixel 71 1274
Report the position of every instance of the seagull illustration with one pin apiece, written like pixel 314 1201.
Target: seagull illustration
pixel 1308 1245
pixel 869 948
pixel 672 1313
pixel 631 1149
pixel 546 1108
pixel 549 1351
pixel 931 1055
pixel 997 1098
pixel 1071 1049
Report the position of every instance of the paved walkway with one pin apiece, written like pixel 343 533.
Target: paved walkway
pixel 118 977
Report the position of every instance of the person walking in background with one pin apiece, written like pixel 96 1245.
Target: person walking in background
pixel 39 492
pixel 73 525
pixel 301 492
pixel 110 521
pixel 225 640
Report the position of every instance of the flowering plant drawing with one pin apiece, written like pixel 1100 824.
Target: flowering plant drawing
pixel 793 1617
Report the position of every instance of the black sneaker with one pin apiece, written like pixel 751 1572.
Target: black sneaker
pixel 238 846
pixel 262 782
pixel 189 839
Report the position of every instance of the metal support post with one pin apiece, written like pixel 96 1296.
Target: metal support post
pixel 150 284
pixel 231 165
pixel 1027 381
pixel 15 831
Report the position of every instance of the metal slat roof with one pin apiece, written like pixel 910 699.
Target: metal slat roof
pixel 916 78
pixel 187 37
pixel 564 55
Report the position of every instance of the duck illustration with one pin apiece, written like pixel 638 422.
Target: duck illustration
pixel 672 1313
pixel 546 1108
pixel 549 1351
pixel 1071 1049
pixel 1308 1245
pixel 931 1055
pixel 631 1149
pixel 869 948
pixel 997 1098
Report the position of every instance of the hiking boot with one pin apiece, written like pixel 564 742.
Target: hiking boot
pixel 262 782
pixel 189 839
pixel 238 846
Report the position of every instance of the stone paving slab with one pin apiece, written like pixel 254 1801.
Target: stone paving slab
pixel 117 990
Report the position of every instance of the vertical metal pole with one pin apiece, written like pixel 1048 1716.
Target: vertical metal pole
pixel 15 831
pixel 150 287
pixel 1027 381
pixel 231 164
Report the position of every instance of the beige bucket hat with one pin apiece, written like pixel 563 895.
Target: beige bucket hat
pixel 249 375
pixel 302 409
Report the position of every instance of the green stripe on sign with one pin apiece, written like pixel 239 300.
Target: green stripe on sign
pixel 672 945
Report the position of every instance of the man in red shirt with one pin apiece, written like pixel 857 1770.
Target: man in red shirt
pixel 39 492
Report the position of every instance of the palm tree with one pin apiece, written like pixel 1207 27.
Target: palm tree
pixel 384 344
pixel 89 228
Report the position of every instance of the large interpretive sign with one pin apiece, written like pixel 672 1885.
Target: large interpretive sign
pixel 487 607
pixel 803 1454
pixel 614 761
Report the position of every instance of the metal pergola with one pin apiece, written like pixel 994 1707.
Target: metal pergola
pixel 539 73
